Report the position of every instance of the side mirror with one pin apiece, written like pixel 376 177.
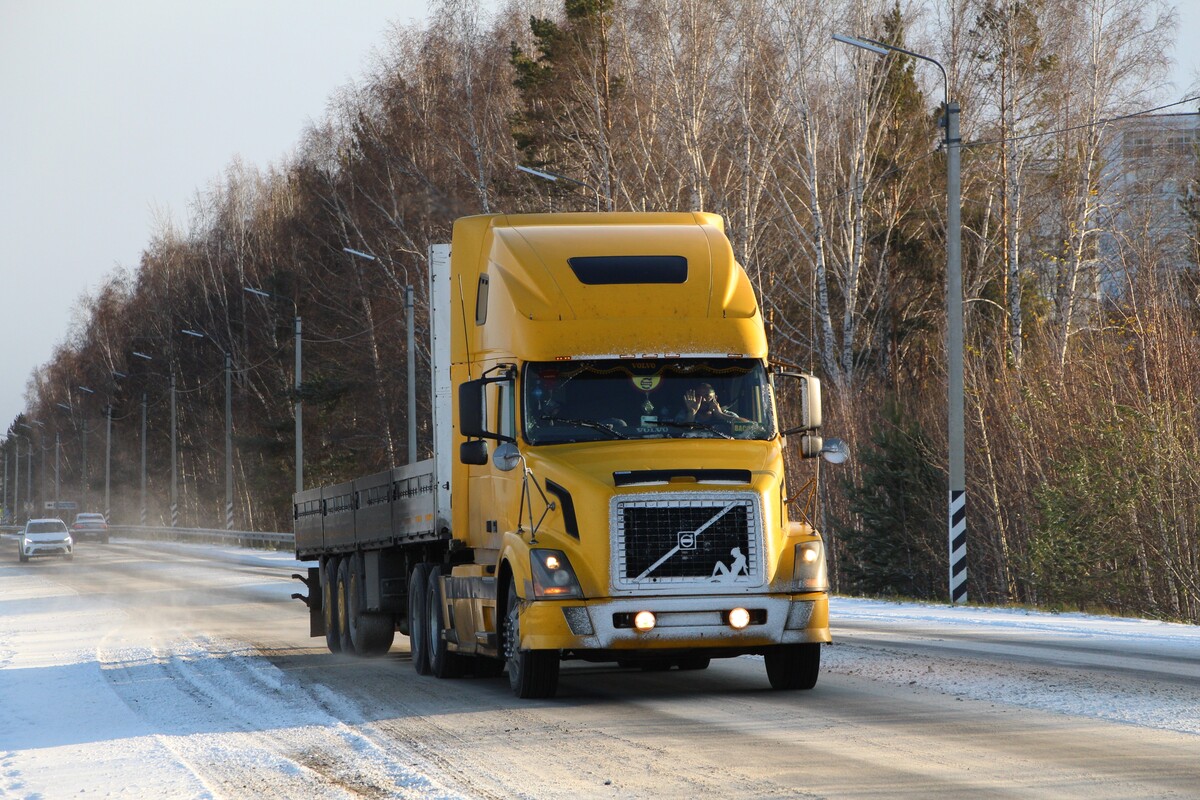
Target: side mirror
pixel 472 410
pixel 835 451
pixel 810 405
pixel 507 457
pixel 473 452
pixel 472 421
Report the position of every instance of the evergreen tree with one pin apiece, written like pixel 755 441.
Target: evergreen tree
pixel 897 546
pixel 567 93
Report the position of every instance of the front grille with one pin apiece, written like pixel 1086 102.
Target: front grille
pixel 686 539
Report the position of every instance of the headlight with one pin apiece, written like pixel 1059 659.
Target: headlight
pixel 809 572
pixel 552 575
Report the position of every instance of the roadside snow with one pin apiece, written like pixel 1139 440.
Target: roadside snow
pixel 1133 671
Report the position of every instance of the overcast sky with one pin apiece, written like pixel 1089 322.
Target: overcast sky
pixel 114 113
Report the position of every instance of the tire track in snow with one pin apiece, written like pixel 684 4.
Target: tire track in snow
pixel 238 722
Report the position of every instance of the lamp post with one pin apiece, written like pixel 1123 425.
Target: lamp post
pixel 16 474
pixel 107 447
pixel 957 517
pixel 297 404
pixel 58 456
pixel 83 487
pixel 29 462
pixel 411 357
pixel 145 357
pixel 228 423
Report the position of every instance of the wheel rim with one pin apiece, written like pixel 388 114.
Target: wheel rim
pixel 512 633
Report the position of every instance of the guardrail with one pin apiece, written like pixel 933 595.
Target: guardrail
pixel 277 541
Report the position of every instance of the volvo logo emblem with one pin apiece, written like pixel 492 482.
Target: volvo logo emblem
pixel 687 540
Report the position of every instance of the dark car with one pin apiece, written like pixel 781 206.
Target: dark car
pixel 90 526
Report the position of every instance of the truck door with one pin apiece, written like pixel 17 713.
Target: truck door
pixel 487 489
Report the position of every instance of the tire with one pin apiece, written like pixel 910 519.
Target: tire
pixel 531 673
pixel 694 662
pixel 343 602
pixel 371 634
pixel 418 618
pixel 793 666
pixel 329 604
pixel 442 662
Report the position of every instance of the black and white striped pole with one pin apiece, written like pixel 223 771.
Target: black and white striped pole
pixel 957 515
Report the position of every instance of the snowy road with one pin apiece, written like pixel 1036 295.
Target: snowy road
pixel 184 671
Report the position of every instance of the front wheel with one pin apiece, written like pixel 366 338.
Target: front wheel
pixel 793 666
pixel 531 673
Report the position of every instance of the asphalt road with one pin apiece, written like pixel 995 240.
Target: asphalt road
pixel 619 733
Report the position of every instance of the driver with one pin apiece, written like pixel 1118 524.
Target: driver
pixel 701 405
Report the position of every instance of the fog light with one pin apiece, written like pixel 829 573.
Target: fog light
pixel 644 621
pixel 739 618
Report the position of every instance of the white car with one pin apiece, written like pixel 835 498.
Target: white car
pixel 45 537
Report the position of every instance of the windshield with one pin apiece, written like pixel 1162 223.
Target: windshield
pixel 52 526
pixel 680 398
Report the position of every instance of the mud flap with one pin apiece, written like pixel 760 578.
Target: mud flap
pixel 316 620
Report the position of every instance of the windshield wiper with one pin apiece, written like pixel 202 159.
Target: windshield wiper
pixel 585 423
pixel 690 425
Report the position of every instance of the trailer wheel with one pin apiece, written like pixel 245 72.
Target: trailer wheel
pixel 531 673
pixel 371 634
pixel 418 618
pixel 442 662
pixel 793 666
pixel 343 605
pixel 329 604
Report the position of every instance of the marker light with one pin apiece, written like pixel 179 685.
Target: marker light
pixel 739 618
pixel 644 621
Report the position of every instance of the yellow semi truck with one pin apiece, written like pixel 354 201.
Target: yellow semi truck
pixel 608 473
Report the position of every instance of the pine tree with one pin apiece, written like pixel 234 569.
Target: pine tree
pixel 897 546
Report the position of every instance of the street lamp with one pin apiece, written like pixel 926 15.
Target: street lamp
pixel 297 405
pixel 228 425
pixel 957 516
pixel 411 356
pixel 554 177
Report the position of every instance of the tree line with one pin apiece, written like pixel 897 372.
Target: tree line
pixel 826 162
